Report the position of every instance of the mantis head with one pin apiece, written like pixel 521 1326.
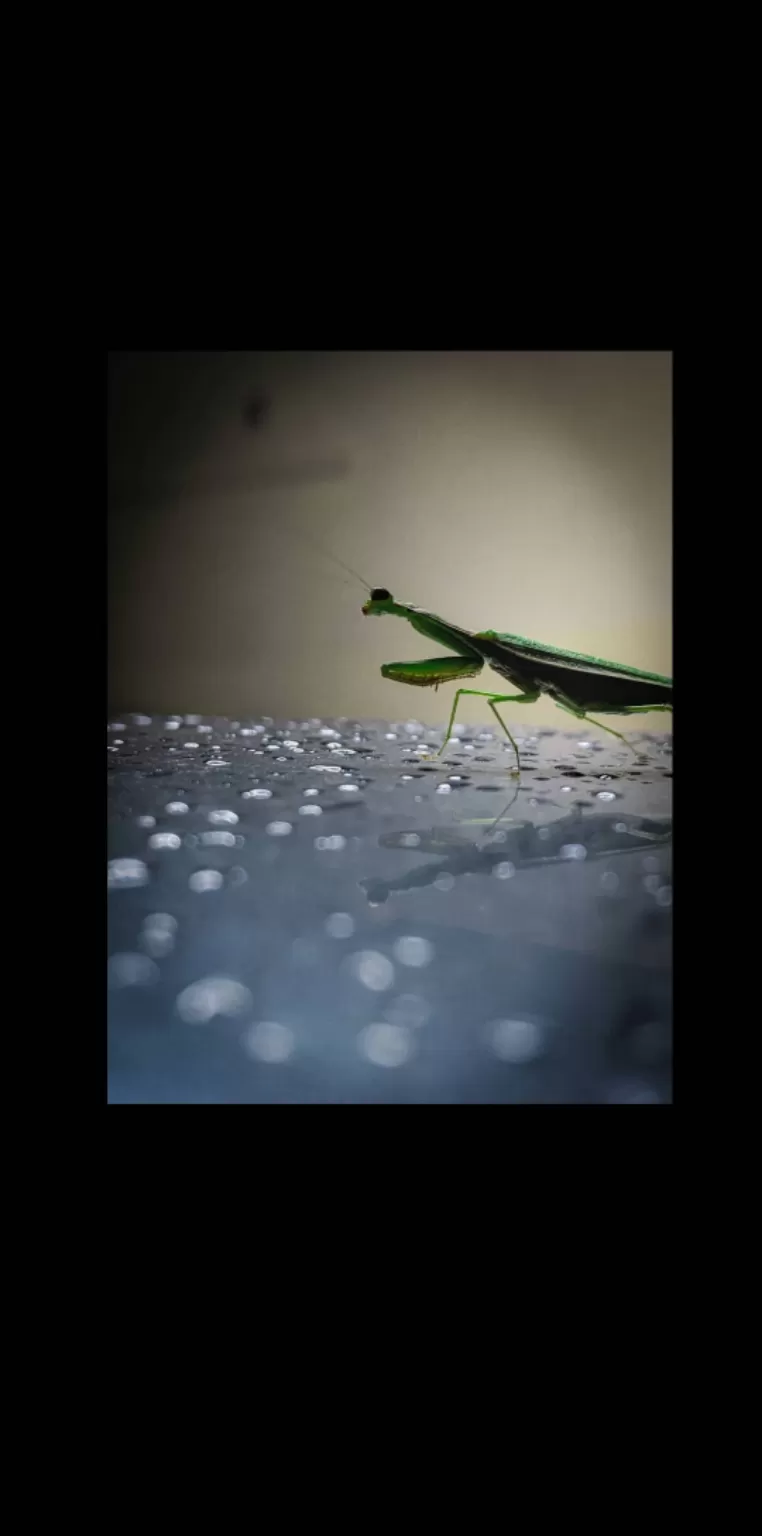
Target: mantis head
pixel 380 601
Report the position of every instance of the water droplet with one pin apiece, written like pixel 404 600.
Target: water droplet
pixel 171 725
pixel 409 840
pixel 203 1000
pixel 390 736
pixel 385 1045
pixel 444 789
pixel 132 970
pixel 237 875
pixel 159 942
pixel 621 826
pixel 413 951
pixel 349 789
pixel 330 844
pixel 584 744
pixel 516 1040
pixel 278 828
pixel 158 934
pixel 327 731
pixel 605 794
pixel 609 882
pixel 304 953
pixel 205 880
pixel 146 821
pixel 444 882
pixel 505 870
pixel 218 839
pixel 269 1042
pixel 324 768
pixel 664 896
pixel 311 792
pixel 573 851
pixel 408 1010
pixel 257 794
pixel 118 726
pixel 192 719
pixel 543 833
pixel 651 883
pixel 161 920
pixel 123 873
pixel 164 840
pixel 373 969
pixel 340 925
pixel 406 778
pixel 310 810
pixel 222 818
pixel 204 730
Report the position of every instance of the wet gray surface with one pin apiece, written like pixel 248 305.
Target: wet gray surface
pixel 323 911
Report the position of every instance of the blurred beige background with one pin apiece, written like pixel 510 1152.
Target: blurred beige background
pixel 528 492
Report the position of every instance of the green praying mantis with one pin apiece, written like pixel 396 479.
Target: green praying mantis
pixel 575 682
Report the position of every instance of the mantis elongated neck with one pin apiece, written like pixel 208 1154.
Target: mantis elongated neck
pixel 438 629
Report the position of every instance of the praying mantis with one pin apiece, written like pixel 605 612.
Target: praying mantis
pixel 577 683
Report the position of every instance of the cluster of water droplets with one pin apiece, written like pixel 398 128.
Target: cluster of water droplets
pixel 226 827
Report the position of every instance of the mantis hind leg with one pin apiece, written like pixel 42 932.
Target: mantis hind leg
pixel 493 699
pixel 611 731
pixel 635 709
pixel 646 709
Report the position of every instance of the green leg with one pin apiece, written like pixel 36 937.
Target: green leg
pixel 429 674
pixel 494 698
pixel 646 709
pixel 635 709
pixel 611 732
pixel 579 714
